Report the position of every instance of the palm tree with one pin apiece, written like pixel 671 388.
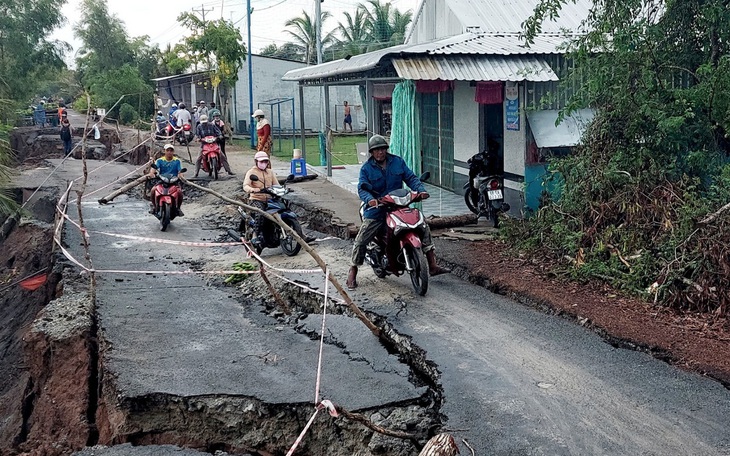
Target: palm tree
pixel 354 34
pixel 305 35
pixel 385 27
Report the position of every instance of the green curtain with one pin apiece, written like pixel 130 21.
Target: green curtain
pixel 405 137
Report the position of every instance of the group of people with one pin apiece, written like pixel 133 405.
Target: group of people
pixel 384 172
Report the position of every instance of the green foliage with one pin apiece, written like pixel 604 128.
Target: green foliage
pixel 654 163
pixel 127 114
pixel 7 205
pixel 26 55
pixel 234 279
pixel 304 33
pixel 107 87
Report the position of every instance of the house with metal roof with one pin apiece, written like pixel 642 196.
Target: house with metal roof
pixel 475 83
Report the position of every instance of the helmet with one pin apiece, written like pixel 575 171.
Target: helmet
pixel 201 102
pixel 257 113
pixel 182 106
pixel 174 105
pixel 216 114
pixel 169 146
pixel 261 155
pixel 159 113
pixel 203 118
pixel 377 142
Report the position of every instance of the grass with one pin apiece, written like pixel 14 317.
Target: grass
pixel 344 151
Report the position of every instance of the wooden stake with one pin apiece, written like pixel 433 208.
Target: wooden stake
pixel 125 188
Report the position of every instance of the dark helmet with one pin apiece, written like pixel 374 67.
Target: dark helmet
pixel 377 142
pixel 181 106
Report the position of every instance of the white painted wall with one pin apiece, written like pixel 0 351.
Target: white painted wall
pixel 435 21
pixel 267 85
pixel 515 142
pixel 466 124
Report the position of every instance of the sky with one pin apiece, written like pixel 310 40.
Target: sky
pixel 157 19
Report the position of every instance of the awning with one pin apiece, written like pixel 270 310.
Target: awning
pixel 475 68
pixel 567 133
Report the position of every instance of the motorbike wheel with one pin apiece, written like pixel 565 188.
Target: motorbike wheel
pixel 419 274
pixel 288 244
pixel 471 198
pixel 165 219
pixel 214 167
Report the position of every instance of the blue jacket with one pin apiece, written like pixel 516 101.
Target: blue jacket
pixel 384 181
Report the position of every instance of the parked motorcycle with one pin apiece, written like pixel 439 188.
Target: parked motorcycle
pixel 184 135
pixel 273 235
pixel 398 249
pixel 166 196
pixel 211 156
pixel 484 192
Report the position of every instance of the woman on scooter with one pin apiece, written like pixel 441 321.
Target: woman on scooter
pixel 266 178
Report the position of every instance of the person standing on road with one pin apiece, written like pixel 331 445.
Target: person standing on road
pixel 267 178
pixel 385 172
pixel 348 118
pixel 66 133
pixel 263 132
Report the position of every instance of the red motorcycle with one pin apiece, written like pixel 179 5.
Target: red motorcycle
pixel 166 197
pixel 211 156
pixel 398 249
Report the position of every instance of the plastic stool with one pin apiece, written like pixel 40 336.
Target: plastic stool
pixel 299 167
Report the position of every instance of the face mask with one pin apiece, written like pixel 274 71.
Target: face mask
pixel 262 165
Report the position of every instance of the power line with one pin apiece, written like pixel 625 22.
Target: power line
pixel 202 11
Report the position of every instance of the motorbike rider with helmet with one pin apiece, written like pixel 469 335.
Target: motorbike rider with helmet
pixel 204 129
pixel 171 115
pixel 160 123
pixel 256 198
pixel 167 164
pixel 385 172
pixel 182 116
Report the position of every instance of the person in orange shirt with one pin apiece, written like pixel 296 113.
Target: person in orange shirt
pixel 263 132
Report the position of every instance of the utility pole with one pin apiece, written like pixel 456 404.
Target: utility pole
pixel 318 13
pixel 252 127
pixel 202 11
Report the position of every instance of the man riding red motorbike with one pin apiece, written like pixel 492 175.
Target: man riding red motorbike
pixel 208 129
pixel 384 173
pixel 166 196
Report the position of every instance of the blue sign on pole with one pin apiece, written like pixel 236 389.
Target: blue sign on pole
pixel 512 107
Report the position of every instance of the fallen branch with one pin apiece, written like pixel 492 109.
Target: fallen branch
pixel 714 215
pixel 123 189
pixel 362 419
pixel 276 219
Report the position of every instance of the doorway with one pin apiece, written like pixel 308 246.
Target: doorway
pixel 437 137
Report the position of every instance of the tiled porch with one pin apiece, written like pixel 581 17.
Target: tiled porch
pixel 442 203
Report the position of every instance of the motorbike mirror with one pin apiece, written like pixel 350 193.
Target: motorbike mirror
pixel 366 186
pixel 254 178
pixel 154 165
pixel 184 170
pixel 425 176
pixel 290 177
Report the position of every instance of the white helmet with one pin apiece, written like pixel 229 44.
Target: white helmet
pixel 257 113
pixel 203 118
pixel 174 105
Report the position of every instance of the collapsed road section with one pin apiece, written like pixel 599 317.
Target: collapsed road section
pixel 166 356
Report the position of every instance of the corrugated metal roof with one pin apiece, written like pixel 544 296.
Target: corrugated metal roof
pixel 474 68
pixel 508 15
pixel 567 133
pixel 503 44
pixel 495 44
pixel 355 64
